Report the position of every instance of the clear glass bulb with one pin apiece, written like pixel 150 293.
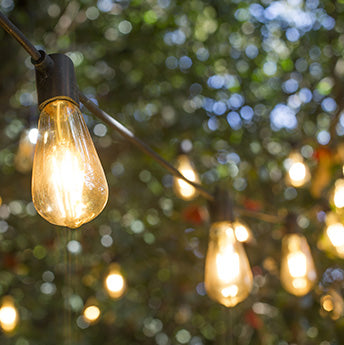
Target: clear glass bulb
pixel 183 189
pixel 8 315
pixel 115 283
pixel 297 171
pixel 69 187
pixel 335 234
pixel 228 276
pixel 242 231
pixel 298 273
pixel 337 197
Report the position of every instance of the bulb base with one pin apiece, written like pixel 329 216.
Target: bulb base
pixel 55 79
pixel 221 209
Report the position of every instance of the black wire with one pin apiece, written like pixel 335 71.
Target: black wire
pixel 94 109
pixel 20 37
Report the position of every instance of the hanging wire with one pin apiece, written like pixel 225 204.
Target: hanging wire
pixel 20 37
pixel 125 132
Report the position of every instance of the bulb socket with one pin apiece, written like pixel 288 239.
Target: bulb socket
pixel 291 226
pixel 221 209
pixel 55 79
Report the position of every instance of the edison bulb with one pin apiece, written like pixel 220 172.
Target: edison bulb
pixel 69 187
pixel 333 304
pixel 298 273
pixel 228 276
pixel 183 189
pixel 335 234
pixel 91 313
pixel 297 171
pixel 115 283
pixel 8 315
pixel 242 231
pixel 338 194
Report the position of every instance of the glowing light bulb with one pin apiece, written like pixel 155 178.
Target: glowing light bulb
pixel 335 234
pixel 8 315
pixel 332 303
pixel 91 313
pixel 242 231
pixel 338 194
pixel 228 276
pixel 24 156
pixel 298 273
pixel 297 171
pixel 183 189
pixel 68 182
pixel 115 283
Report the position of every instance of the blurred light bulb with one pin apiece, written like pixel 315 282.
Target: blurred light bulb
pixel 338 194
pixel 333 304
pixel 242 231
pixel 335 234
pixel 91 313
pixel 8 315
pixel 297 171
pixel 228 276
pixel 26 148
pixel 68 182
pixel 183 189
pixel 298 273
pixel 115 283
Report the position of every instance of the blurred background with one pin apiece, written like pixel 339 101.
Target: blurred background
pixel 240 86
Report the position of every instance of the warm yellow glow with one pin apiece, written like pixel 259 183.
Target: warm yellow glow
pixel 92 313
pixel 298 172
pixel 333 238
pixel 68 182
pixel 228 276
pixel 182 188
pixel 115 284
pixel 298 273
pixel 242 232
pixel 327 303
pixel 333 304
pixel 338 193
pixel 8 315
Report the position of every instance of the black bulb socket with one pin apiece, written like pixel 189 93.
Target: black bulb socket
pixel 55 79
pixel 221 209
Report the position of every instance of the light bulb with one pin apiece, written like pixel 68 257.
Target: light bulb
pixel 183 189
pixel 333 304
pixel 69 187
pixel 338 194
pixel 228 276
pixel 298 273
pixel 24 156
pixel 114 282
pixel 297 171
pixel 91 313
pixel 335 234
pixel 8 315
pixel 242 231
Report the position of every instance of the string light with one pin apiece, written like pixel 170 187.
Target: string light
pixel 332 303
pixel 115 283
pixel 242 231
pixel 68 182
pixel 333 235
pixel 297 171
pixel 228 277
pixel 8 315
pixel 91 313
pixel 337 198
pixel 298 273
pixel 183 189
